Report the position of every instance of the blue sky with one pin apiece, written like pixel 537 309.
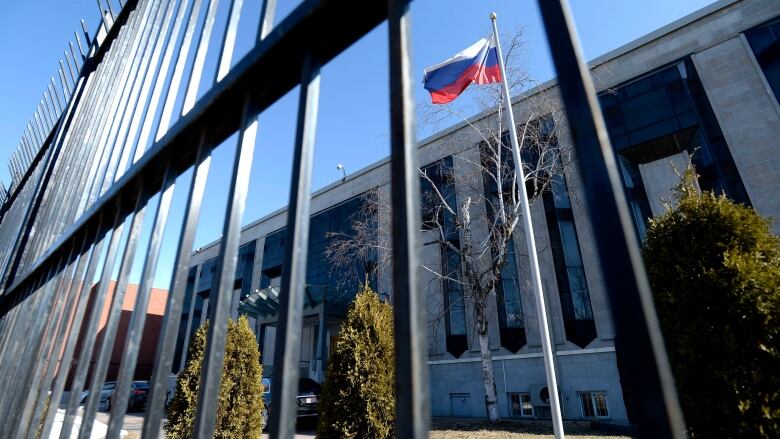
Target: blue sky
pixel 353 117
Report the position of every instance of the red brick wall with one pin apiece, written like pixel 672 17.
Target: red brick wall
pixel 152 327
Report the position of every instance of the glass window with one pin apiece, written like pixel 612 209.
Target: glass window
pixel 660 114
pixel 511 321
pixel 765 42
pixel 594 404
pixel 185 316
pixel 510 291
pixel 207 271
pixel 439 178
pixel 453 293
pixel 338 287
pixel 438 183
pixel 520 405
pixel 572 285
pixel 244 265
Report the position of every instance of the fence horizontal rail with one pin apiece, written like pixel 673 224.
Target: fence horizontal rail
pixel 61 262
pixel 265 74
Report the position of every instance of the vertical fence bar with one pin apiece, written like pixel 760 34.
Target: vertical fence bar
pixel 52 115
pixel 38 129
pixel 138 318
pixel 287 352
pixel 88 343
pixel 99 142
pixel 122 105
pixel 200 56
pixel 72 71
pixel 46 118
pixel 33 205
pixel 27 362
pixel 161 93
pixel 73 55
pixel 83 291
pixel 66 88
pixel 173 309
pixel 219 306
pixel 146 110
pixel 411 368
pixel 639 342
pixel 24 152
pixel 81 47
pixel 55 107
pixel 48 366
pixel 168 335
pixel 178 72
pixel 115 311
pixel 213 357
pixel 86 34
pixel 53 89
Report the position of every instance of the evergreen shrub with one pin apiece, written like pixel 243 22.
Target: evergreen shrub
pixel 358 397
pixel 240 406
pixel 714 268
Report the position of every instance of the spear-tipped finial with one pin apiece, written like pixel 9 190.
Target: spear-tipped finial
pixel 86 32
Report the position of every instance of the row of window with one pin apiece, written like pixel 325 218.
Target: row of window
pixel 194 314
pixel 647 118
pixel 324 283
pixel 592 404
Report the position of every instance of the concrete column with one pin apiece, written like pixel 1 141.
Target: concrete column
pixel 747 115
pixel 660 179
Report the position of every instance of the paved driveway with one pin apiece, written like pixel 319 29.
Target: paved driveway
pixel 134 421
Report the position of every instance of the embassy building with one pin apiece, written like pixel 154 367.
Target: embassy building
pixel 705 87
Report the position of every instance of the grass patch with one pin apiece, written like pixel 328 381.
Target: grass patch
pixel 447 428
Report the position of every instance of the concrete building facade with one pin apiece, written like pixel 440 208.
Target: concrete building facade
pixel 703 88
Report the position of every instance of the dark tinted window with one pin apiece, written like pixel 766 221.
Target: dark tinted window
pixel 438 182
pixel 308 385
pixel 141 384
pixel 765 42
pixel 338 287
pixel 246 260
pixel 570 273
pixel 438 177
pixel 661 114
pixel 185 317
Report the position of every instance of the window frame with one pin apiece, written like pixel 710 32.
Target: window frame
pixel 520 396
pixel 591 395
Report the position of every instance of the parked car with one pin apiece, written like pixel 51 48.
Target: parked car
pixel 139 391
pixel 307 399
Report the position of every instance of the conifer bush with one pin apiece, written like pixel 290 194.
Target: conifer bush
pixel 358 397
pixel 240 406
pixel 714 267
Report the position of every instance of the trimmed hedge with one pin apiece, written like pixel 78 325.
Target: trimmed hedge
pixel 358 398
pixel 240 406
pixel 714 267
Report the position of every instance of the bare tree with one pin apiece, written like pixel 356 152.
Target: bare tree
pixel 478 224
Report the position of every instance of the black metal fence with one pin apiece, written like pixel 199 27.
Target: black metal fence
pixel 114 153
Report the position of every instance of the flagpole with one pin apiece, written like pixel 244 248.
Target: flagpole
pixel 541 308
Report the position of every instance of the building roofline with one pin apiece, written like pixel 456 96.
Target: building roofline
pixel 595 62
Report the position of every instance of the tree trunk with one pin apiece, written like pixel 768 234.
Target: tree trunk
pixel 488 376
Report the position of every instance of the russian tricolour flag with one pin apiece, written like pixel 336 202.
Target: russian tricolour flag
pixel 478 64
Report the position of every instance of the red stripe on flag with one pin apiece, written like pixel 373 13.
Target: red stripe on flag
pixel 478 74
